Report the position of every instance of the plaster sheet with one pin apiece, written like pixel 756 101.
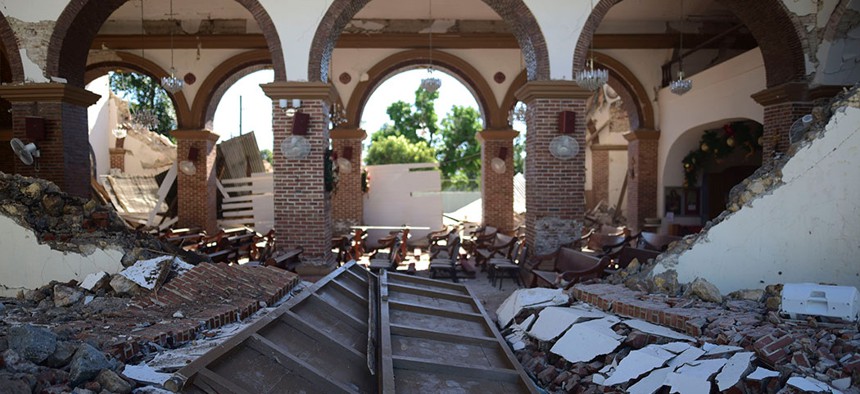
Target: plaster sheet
pixel 734 370
pixel 553 321
pixel 528 298
pixel 585 341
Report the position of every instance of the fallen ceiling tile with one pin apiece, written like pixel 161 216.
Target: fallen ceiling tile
pixel 651 383
pixel 684 384
pixel 704 369
pixel 689 355
pixel 528 298
pixel 583 342
pixel 638 363
pixel 553 321
pixel 762 374
pixel 654 329
pixel 734 370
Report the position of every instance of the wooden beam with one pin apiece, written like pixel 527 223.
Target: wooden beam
pixel 298 366
pixel 467 371
pixel 298 323
pixel 410 307
pixel 429 293
pixel 349 319
pixel 217 382
pixel 349 292
pixel 395 278
pixel 404 41
pixel 415 332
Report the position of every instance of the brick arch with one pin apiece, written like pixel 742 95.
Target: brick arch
pixel 10 50
pixel 778 33
pixel 80 21
pixel 635 97
pixel 132 62
pixel 220 79
pixel 515 12
pixel 397 62
pixel 510 99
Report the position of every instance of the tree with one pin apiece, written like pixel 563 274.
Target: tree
pixel 267 155
pixel 457 149
pixel 409 119
pixel 144 92
pixel 396 149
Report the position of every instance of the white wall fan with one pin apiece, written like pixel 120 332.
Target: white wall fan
pixel 564 147
pixel 295 147
pixel 27 153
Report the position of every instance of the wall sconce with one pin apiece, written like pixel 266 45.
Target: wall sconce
pixel 187 166
pixel 344 162
pixel 498 162
pixel 291 110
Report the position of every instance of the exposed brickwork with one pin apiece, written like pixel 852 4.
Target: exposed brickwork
pixel 777 31
pixel 347 200
pixel 600 176
pixel 516 13
pixel 117 159
pixel 11 55
pixel 642 158
pixel 209 296
pixel 497 190
pixel 80 21
pixel 777 122
pixel 7 158
pixel 197 193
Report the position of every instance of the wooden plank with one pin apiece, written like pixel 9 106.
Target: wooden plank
pixel 454 369
pixel 387 377
pixel 430 293
pixel 425 281
pixel 299 323
pixel 415 332
pixel 301 368
pixel 162 193
pixel 346 290
pixel 353 322
pixel 219 383
pixel 410 307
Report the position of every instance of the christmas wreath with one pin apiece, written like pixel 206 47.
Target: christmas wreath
pixel 716 144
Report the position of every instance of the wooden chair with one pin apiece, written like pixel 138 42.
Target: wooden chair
pixel 654 241
pixel 511 268
pixel 391 260
pixel 601 245
pixel 499 246
pixel 446 265
pixel 564 268
pixel 286 259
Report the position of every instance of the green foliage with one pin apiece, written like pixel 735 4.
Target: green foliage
pixel 458 151
pixel 267 155
pixel 144 92
pixel 395 149
pixel 409 119
pixel 716 145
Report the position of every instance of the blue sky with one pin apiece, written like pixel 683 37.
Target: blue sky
pixel 257 108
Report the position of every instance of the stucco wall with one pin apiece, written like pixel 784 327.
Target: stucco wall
pixel 25 264
pixel 100 117
pixel 804 231
pixel 399 197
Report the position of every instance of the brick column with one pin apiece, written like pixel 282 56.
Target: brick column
pixel 497 190
pixel 555 189
pixel 197 193
pixel 65 148
pixel 641 177
pixel 783 105
pixel 599 175
pixel 347 200
pixel 7 163
pixel 302 206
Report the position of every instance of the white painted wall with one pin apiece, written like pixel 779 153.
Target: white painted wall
pixel 720 93
pixel 399 197
pixel 188 60
pixel 561 21
pixel 645 66
pixel 805 231
pixel 296 22
pixel 25 264
pixel 100 118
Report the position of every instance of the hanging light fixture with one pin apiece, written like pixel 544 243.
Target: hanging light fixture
pixel 590 78
pixel 681 85
pixel 171 83
pixel 431 83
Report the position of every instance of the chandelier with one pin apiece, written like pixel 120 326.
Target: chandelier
pixel 431 83
pixel 589 78
pixel 681 85
pixel 171 83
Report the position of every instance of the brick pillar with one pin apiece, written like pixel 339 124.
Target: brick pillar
pixel 555 189
pixel 7 163
pixel 641 177
pixel 302 206
pixel 497 190
pixel 347 200
pixel 599 175
pixel 117 159
pixel 197 192
pixel 65 149
pixel 783 105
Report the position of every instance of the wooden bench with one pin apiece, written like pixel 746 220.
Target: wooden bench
pixel 498 246
pixel 564 268
pixel 287 259
pixel 628 254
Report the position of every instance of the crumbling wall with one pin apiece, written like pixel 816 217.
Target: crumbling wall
pixel 48 235
pixel 796 222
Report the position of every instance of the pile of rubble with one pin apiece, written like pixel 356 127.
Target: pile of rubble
pixel 618 340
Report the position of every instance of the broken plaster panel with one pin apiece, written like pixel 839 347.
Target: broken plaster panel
pixel 528 298
pixel 553 321
pixel 734 370
pixel 583 342
pixel 684 384
pixel 654 329
pixel 27 264
pixel 33 41
pixel 762 374
pixel 637 363
pixel 651 383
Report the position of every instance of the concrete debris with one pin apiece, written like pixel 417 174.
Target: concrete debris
pixel 712 350
pixel 688 356
pixel 705 291
pixel 637 363
pixel 528 298
pixel 584 342
pixel 32 343
pixel 762 374
pixel 553 321
pixel 86 364
pixel 809 385
pixel 66 295
pixel 151 273
pixel 704 369
pixel 686 384
pixel 96 281
pixel 734 370
pixel 657 330
pixel 651 383
pixel 112 382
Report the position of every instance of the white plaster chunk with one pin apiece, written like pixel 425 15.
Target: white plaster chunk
pixel 676 347
pixel 689 355
pixel 439 26
pixel 808 384
pixel 686 384
pixel 712 350
pixel 704 369
pixel 146 374
pixel 553 321
pixel 583 342
pixel 762 374
pixel 638 363
pixel 145 272
pixel 32 71
pixel 528 298
pixel 93 279
pixel 842 384
pixel 651 383
pixel 734 370
pixel 654 329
